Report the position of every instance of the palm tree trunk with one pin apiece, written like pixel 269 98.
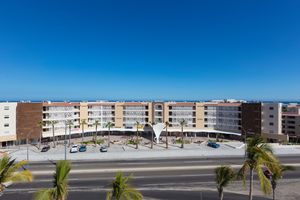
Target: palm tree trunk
pixel 96 135
pixel 109 137
pixel 69 135
pixel 152 139
pixel 273 194
pixel 82 134
pixel 167 138
pixel 40 143
pixel 137 139
pixel 221 193
pixel 182 142
pixel 53 137
pixel 251 184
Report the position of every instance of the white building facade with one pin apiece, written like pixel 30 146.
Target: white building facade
pixel 271 118
pixel 7 123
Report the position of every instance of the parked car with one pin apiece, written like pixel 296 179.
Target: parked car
pixel 45 148
pixel 74 149
pixel 103 149
pixel 82 148
pixel 213 145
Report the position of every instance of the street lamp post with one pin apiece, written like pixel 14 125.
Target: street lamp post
pixel 27 146
pixel 245 142
pixel 70 133
pixel 27 154
pixel 65 142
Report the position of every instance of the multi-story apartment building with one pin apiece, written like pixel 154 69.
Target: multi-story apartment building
pixel 64 114
pixel 29 116
pixel 223 116
pixel 219 116
pixel 103 112
pixel 251 118
pixel 291 122
pixel 271 118
pixel 134 112
pixel 271 127
pixel 7 123
pixel 191 112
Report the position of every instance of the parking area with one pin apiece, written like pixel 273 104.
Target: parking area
pixel 124 151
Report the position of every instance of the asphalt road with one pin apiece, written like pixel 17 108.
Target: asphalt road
pixel 174 179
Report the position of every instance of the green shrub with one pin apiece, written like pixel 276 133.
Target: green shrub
pixel 179 141
pixel 99 141
pixel 133 142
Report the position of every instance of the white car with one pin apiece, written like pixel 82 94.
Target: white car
pixel 74 149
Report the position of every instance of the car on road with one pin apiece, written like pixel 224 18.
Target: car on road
pixel 45 148
pixel 82 148
pixel 74 149
pixel 213 145
pixel 103 149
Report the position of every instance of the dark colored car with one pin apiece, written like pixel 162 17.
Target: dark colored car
pixel 82 148
pixel 213 145
pixel 45 148
pixel 103 149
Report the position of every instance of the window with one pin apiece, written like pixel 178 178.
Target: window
pixel 271 116
pixel 271 131
pixel 271 124
pixel 6 107
pixel 6 125
pixel 271 108
pixel 6 116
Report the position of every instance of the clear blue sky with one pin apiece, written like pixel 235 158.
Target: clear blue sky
pixel 178 50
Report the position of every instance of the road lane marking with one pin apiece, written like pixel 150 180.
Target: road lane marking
pixel 135 177
pixel 143 169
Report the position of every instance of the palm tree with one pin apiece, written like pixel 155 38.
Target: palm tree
pixel 224 175
pixel 69 124
pixel 278 175
pixel 259 155
pixel 121 190
pixel 41 124
pixel 109 125
pixel 82 124
pixel 167 124
pixel 182 124
pixel 152 124
pixel 9 172
pixel 52 124
pixel 59 191
pixel 137 134
pixel 96 124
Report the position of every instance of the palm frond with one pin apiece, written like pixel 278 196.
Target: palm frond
pixel 265 183
pixel 224 175
pixel 9 171
pixel 121 190
pixel 44 194
pixel 24 176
